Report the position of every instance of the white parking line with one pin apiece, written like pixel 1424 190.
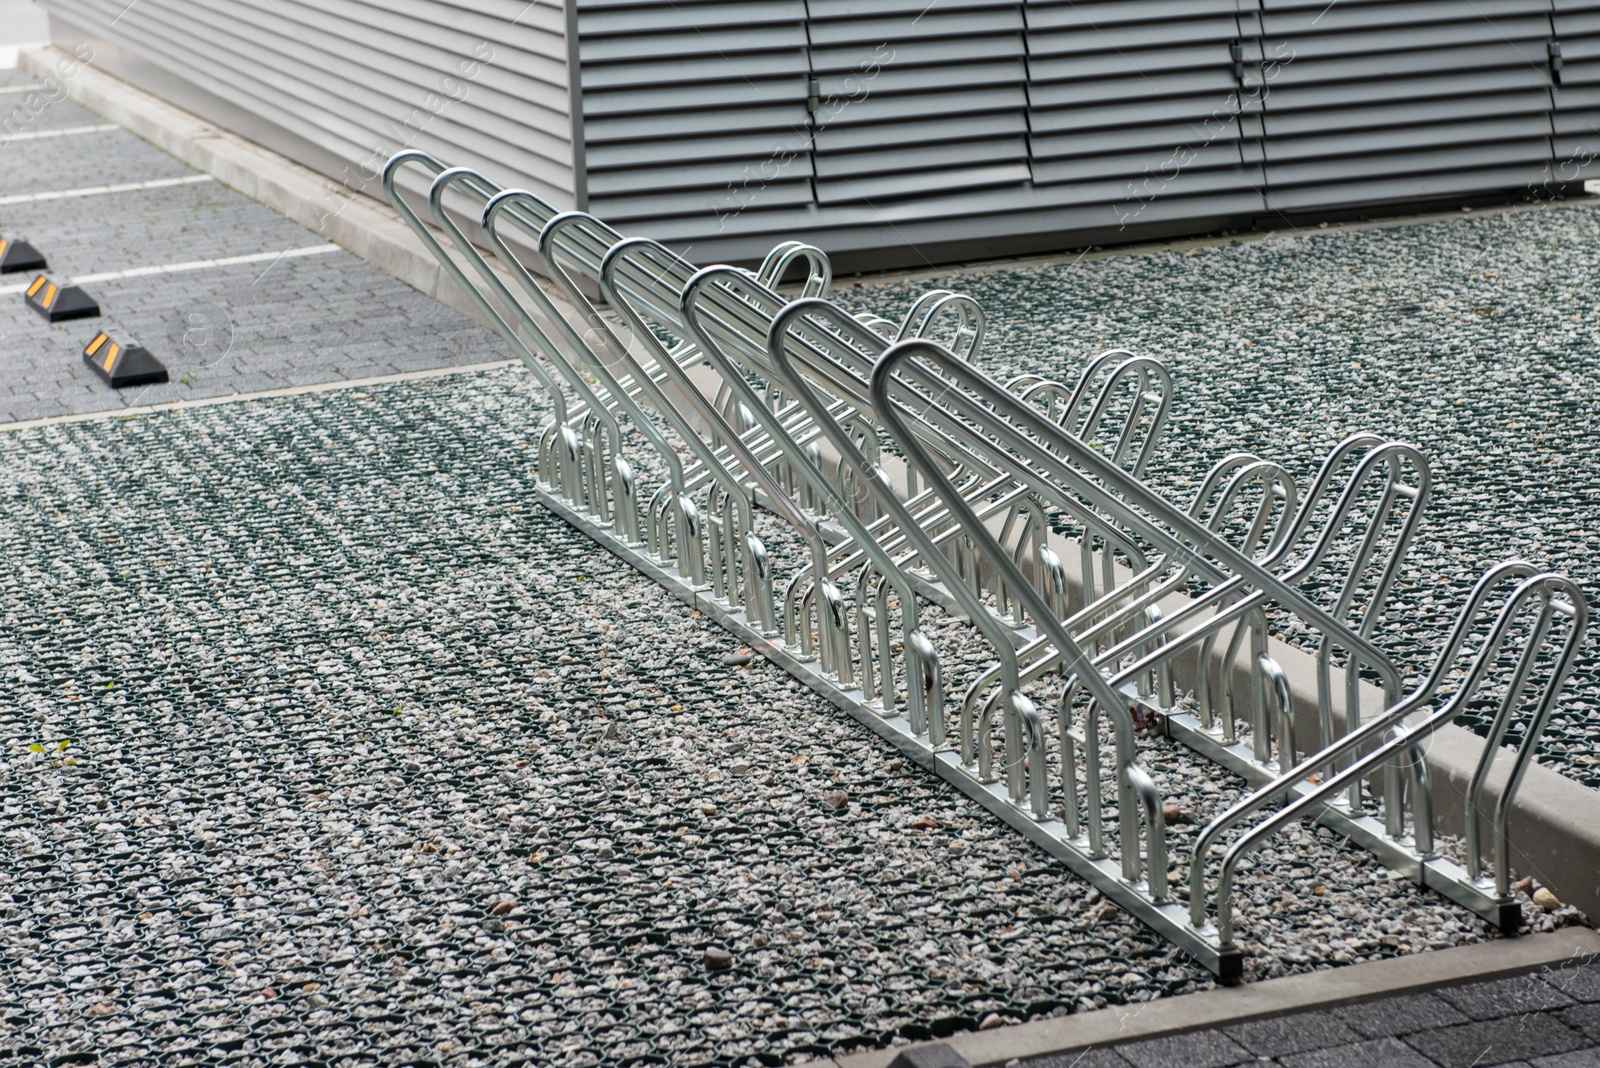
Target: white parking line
pixel 192 265
pixel 98 190
pixel 30 87
pixel 66 131
pixel 288 391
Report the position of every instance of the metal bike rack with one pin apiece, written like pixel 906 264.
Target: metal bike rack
pixel 913 376
pixel 827 482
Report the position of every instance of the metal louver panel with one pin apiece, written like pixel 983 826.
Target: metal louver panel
pixel 1139 107
pixel 340 84
pixel 1577 92
pixel 912 98
pixel 694 108
pixel 893 132
pixel 1382 101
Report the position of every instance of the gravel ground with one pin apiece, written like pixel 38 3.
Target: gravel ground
pixel 1475 339
pixel 369 759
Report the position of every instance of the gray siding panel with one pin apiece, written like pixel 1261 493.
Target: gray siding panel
pixel 339 84
pixel 891 130
pixel 1418 99
pixel 694 108
pixel 914 100
pixel 1577 97
pixel 1139 108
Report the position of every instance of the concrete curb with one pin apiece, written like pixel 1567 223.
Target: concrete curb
pixel 356 222
pixel 1272 997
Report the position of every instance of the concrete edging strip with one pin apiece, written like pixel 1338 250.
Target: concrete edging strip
pixel 356 222
pixel 1222 1006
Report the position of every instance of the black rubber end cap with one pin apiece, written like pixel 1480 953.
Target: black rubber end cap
pixel 18 256
pixel 1230 967
pixel 123 365
pixel 59 303
pixel 73 303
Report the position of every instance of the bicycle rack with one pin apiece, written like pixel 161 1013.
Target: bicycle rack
pixel 894 480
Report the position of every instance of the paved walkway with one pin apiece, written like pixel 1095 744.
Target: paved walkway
pixel 1549 1019
pixel 231 296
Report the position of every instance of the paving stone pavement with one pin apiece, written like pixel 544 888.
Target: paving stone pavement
pixel 53 164
pixel 240 328
pixel 1547 1019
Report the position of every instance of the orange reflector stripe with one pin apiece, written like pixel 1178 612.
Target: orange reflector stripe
pixel 49 295
pixel 37 282
pixel 99 339
pixel 111 355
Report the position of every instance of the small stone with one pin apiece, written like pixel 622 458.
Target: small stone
pixel 707 808
pixel 991 1021
pixel 1321 891
pixel 1172 812
pixel 739 659
pixel 924 823
pixel 718 959
pixel 1545 899
pixel 500 908
pixel 836 799
pixel 564 659
pixel 613 732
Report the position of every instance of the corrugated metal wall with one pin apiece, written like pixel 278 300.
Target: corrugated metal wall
pixel 956 127
pixel 340 84
pixel 1577 95
pixel 914 99
pixel 971 127
pixel 1381 100
pixel 1138 113
pixel 897 132
pixel 689 107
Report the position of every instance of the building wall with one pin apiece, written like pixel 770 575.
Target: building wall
pixel 339 85
pixel 893 132
pixel 900 132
